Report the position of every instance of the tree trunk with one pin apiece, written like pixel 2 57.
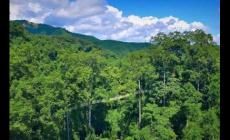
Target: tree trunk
pixel 139 106
pixel 198 81
pixel 67 119
pixel 139 120
pixel 164 91
pixel 89 113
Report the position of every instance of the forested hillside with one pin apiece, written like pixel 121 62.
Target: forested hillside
pixel 117 47
pixel 63 87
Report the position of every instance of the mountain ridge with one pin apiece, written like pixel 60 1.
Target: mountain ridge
pixel 118 47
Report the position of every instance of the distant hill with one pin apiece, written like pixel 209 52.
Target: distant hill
pixel 117 47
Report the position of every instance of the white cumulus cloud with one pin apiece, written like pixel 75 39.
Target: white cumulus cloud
pixel 97 18
pixel 216 38
pixel 82 8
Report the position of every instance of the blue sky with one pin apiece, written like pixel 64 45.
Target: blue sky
pixel 205 11
pixel 125 20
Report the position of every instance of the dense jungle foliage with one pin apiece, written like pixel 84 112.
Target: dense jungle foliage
pixel 172 88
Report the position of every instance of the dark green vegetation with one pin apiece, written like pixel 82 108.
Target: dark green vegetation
pixel 116 47
pixel 55 80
